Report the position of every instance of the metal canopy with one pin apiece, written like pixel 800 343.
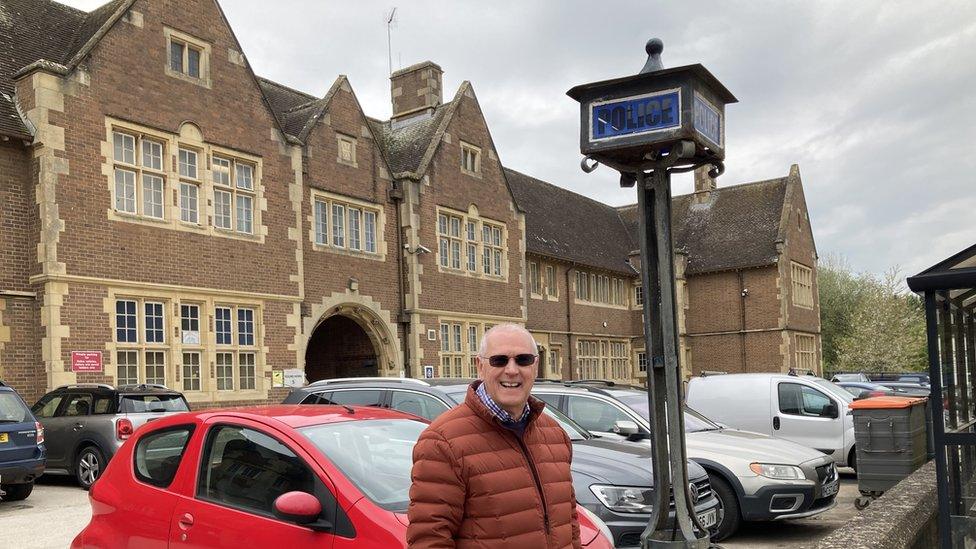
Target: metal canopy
pixel 949 288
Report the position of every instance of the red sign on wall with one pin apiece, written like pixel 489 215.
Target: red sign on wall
pixel 86 361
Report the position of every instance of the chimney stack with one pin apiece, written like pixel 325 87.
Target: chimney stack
pixel 703 182
pixel 415 89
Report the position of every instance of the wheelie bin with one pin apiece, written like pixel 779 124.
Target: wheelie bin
pixel 891 441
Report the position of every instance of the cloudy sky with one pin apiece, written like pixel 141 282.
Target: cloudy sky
pixel 874 100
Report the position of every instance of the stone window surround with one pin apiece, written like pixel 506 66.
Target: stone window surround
pixel 319 195
pixel 189 138
pixel 467 353
pixel 622 285
pixel 174 347
pixel 801 277
pixel 472 216
pixel 475 151
pixel 173 35
pixel 352 141
pixel 140 170
pixel 806 351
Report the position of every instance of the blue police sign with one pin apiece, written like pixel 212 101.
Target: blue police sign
pixel 635 115
pixel 708 121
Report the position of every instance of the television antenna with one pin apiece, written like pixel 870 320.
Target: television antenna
pixel 391 22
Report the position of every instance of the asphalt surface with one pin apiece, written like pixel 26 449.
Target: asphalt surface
pixel 58 509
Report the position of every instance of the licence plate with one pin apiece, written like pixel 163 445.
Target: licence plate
pixel 708 518
pixel 831 489
pixel 3 437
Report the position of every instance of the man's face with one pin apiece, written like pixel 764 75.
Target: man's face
pixel 508 385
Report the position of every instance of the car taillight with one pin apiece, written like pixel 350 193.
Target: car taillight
pixel 40 432
pixel 123 429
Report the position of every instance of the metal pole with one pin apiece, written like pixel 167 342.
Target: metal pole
pixel 661 344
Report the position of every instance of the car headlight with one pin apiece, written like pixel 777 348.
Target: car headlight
pixel 598 522
pixel 779 472
pixel 624 499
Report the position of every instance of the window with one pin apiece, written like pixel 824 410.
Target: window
pixel 470 158
pixel 806 352
pixel 582 286
pixel 186 58
pixel 619 360
pixel 452 352
pixel 642 362
pixel 222 325
pixel 358 398
pixel 347 149
pixel 246 361
pixel 158 455
pixel 639 295
pixel 449 239
pixel 233 183
pixel 245 327
pixel 352 226
pixel 127 367
pixel 601 289
pixel 78 405
pixel 139 179
pixel 188 163
pixel 593 414
pixel 603 359
pixel 555 368
pixel 494 246
pixel 588 353
pixel 417 404
pixel 464 240
pixel 188 203
pixel 190 323
pixel 472 350
pixel 135 348
pixel 535 284
pixel 800 400
pixel 191 371
pixel 237 459
pixel 802 285
pixel 225 371
pixel 551 289
pixel 154 322
pixel 47 406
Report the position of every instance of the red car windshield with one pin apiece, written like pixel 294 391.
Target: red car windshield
pixel 376 455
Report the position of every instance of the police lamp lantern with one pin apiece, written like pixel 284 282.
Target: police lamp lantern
pixel 658 118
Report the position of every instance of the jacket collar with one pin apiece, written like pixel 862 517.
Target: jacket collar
pixel 473 401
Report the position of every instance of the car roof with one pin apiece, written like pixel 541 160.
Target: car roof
pixel 294 415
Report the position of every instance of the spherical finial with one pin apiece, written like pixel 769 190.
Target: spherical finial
pixel 654 47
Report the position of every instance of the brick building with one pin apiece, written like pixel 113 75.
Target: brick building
pixel 194 225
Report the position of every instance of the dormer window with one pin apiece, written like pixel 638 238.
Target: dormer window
pixel 189 58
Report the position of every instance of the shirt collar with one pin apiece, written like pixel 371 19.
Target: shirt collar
pixel 497 410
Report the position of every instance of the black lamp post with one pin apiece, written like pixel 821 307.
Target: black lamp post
pixel 647 126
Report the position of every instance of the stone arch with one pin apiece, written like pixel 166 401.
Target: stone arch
pixel 344 313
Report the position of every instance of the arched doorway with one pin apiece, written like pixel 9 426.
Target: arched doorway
pixel 340 347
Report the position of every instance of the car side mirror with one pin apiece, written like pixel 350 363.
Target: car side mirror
pixel 303 509
pixel 625 428
pixel 830 410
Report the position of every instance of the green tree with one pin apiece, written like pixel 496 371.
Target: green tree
pixel 869 323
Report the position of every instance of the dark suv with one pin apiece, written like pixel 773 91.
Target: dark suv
pixel 611 478
pixel 86 424
pixel 22 451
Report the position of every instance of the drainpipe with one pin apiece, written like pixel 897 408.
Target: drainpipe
pixel 569 324
pixel 396 195
pixel 743 293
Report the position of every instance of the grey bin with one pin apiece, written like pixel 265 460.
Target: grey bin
pixel 891 440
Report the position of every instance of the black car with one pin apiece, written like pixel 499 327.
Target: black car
pixel 87 423
pixel 22 451
pixel 611 478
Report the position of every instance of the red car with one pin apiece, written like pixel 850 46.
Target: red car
pixel 270 476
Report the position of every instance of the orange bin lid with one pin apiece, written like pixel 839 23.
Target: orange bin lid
pixel 885 403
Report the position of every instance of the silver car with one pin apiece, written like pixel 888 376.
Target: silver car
pixel 755 477
pixel 86 424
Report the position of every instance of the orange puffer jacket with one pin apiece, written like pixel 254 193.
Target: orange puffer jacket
pixel 476 485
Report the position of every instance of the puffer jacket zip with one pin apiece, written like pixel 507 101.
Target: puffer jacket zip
pixel 538 483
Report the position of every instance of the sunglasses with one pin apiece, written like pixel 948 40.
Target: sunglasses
pixel 499 361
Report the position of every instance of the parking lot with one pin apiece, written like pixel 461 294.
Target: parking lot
pixel 57 510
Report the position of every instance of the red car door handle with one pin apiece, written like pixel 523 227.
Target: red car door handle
pixel 186 521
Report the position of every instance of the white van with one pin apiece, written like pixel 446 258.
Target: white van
pixel 804 409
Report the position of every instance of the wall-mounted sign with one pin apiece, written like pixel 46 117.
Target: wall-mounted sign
pixel 708 120
pixel 428 372
pixel 277 378
pixel 294 377
pixel 86 361
pixel 634 115
pixel 191 337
